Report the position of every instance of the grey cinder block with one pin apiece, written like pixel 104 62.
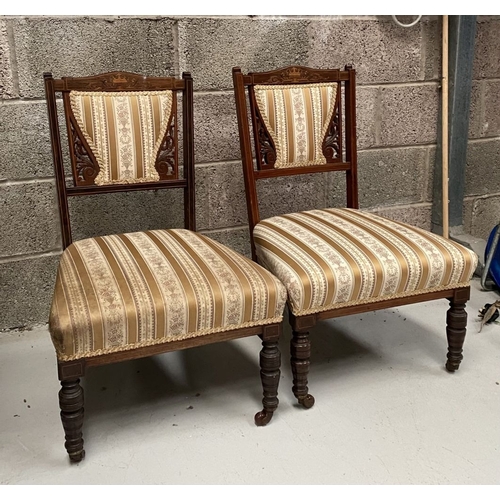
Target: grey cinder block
pixel 367 116
pixel 30 221
pixel 431 169
pixel 336 190
pixel 418 215
pixel 482 172
pixel 392 176
pixel 113 213
pixel 209 48
pixel 491 124
pixel 484 216
pixel 379 50
pixel 26 288
pixel 476 117
pixel 237 238
pixel 486 50
pixel 6 80
pixel 296 193
pixel 81 46
pixel 221 200
pixel 25 149
pixel 485 103
pixel 432 33
pixel 215 128
pixel 467 214
pixel 220 196
pixel 409 115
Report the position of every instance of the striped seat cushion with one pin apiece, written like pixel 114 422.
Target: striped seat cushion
pixel 338 257
pixel 124 131
pixel 297 118
pixel 125 291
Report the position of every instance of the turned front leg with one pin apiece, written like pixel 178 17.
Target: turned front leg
pixel 270 362
pixel 71 404
pixel 456 323
pixel 300 348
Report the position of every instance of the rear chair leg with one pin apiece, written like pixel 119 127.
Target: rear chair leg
pixel 71 404
pixel 456 323
pixel 270 362
pixel 300 348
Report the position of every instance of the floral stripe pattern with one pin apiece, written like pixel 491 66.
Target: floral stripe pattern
pixel 297 118
pixel 124 131
pixel 339 257
pixel 136 289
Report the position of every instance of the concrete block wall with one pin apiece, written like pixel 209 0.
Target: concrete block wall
pixel 397 102
pixel 482 181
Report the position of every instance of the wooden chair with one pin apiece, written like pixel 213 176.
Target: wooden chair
pixel 335 262
pixel 127 296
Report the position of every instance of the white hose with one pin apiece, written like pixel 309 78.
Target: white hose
pixel 395 19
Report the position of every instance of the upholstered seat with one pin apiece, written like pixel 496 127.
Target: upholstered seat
pixel 340 257
pixel 125 291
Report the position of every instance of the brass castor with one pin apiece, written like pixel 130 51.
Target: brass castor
pixel 452 366
pixel 77 457
pixel 263 418
pixel 307 401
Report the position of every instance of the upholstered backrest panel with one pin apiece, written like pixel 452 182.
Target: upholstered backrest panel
pixel 297 118
pixel 124 130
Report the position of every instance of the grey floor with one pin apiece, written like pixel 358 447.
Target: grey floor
pixel 386 410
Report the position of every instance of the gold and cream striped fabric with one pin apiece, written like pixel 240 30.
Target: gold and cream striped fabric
pixel 297 118
pixel 124 130
pixel 124 291
pixel 338 257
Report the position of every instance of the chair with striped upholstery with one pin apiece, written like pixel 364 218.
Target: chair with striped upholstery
pixel 125 296
pixel 335 261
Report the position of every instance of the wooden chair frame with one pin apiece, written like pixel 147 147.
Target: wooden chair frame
pixel 300 343
pixel 84 171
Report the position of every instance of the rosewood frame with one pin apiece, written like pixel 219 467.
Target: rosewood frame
pixel 71 394
pixel 113 82
pixel 300 343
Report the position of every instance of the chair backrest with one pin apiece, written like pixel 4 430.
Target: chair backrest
pixel 123 136
pixel 297 116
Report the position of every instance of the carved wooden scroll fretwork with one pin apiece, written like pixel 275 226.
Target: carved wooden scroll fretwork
pixel 85 168
pixel 267 150
pixel 332 145
pixel 166 161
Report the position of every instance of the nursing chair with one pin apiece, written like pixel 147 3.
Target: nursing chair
pixel 335 261
pixel 126 296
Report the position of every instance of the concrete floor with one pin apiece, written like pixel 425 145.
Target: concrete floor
pixel 386 410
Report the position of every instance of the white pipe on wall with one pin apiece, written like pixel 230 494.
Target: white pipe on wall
pixel 444 121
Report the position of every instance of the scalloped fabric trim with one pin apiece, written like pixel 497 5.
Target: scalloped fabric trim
pixel 165 340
